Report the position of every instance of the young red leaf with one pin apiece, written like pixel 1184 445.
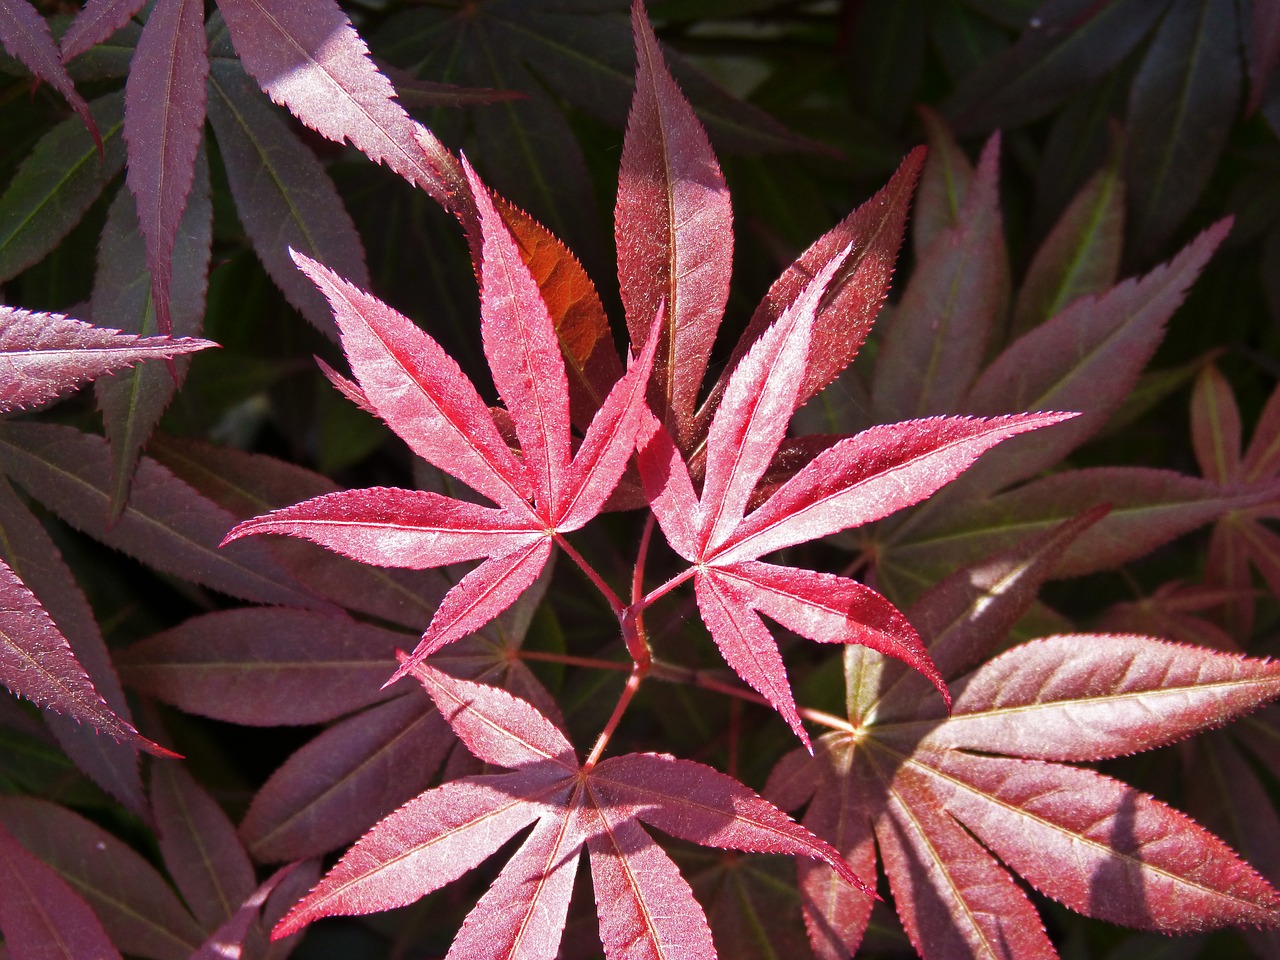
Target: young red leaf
pixel 25 34
pixel 868 240
pixel 41 917
pixel 586 342
pixel 422 394
pixel 309 58
pixel 163 126
pixel 859 479
pixel 46 355
pixel 673 226
pixel 37 663
pixel 446 831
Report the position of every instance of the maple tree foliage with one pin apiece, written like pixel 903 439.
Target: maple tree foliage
pixel 798 498
pixel 938 796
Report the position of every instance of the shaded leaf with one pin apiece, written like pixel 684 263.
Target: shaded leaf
pixel 31 553
pixel 199 846
pixel 132 404
pixel 1081 254
pixel 265 667
pixel 41 917
pixel 954 301
pixel 1181 106
pixel 166 523
pixel 163 126
pixel 95 22
pixel 1064 47
pixel 283 195
pixel 25 34
pixel 137 907
pixel 57 183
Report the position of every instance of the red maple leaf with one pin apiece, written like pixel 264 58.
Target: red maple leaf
pixel 953 804
pixel 645 907
pixel 857 480
pixel 541 491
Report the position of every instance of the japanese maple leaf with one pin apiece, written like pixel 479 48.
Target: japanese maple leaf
pixel 1240 538
pixel 953 804
pixel 857 480
pixel 42 357
pixel 46 355
pixel 541 491
pixel 645 906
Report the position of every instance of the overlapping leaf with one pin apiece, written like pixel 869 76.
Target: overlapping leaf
pixel 1241 539
pixel 645 906
pixel 857 480
pixel 420 392
pixel 941 796
pixel 47 355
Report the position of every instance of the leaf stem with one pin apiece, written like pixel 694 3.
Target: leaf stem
pixel 666 588
pixel 572 661
pixel 633 684
pixel 673 673
pixel 617 605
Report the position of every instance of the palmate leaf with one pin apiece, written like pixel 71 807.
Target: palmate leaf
pixel 645 907
pixel 421 393
pixel 46 355
pixel 941 795
pixel 365 765
pixel 856 480
pixel 1241 539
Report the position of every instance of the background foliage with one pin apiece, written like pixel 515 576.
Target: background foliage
pixel 1137 124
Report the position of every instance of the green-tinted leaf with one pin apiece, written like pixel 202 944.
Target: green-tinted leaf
pixel 57 183
pixel 1180 111
pixel 283 195
pixel 132 402
pixel 1064 47
pixel 1081 255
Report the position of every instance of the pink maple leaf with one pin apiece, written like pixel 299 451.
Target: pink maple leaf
pixel 541 491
